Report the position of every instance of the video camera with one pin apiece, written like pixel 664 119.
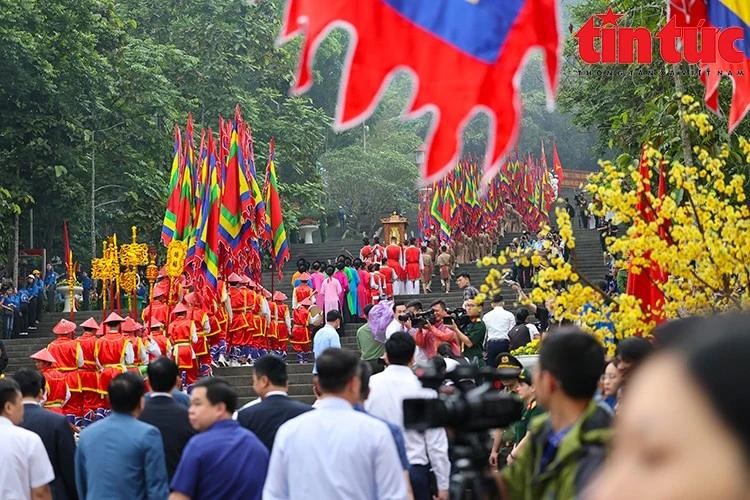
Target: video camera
pixel 469 413
pixel 423 318
pixel 475 407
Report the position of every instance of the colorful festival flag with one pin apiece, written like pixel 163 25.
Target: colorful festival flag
pixel 279 243
pixel 557 165
pixel 170 215
pixel 485 42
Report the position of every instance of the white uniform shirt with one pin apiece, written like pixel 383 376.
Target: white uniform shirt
pixel 499 323
pixel 393 327
pixel 334 453
pixel 24 463
pixel 388 390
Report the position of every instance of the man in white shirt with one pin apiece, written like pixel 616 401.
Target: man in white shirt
pixel 399 309
pixel 326 337
pixel 499 323
pixel 335 452
pixel 387 393
pixel 25 469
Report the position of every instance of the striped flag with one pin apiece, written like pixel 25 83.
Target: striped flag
pixel 437 213
pixel 170 216
pixel 279 243
pixel 234 186
pixel 207 239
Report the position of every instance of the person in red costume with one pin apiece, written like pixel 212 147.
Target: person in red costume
pixel 413 267
pixel 395 255
pixel 89 372
pixel 66 350
pixel 238 322
pixel 389 278
pixel 157 310
pixel 182 333
pixel 365 253
pixel 55 382
pixel 302 319
pixel 113 353
pixel 280 325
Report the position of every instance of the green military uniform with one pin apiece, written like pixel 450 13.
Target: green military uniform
pixel 476 331
pixel 531 411
pixel 579 455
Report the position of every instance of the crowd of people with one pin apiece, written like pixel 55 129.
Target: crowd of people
pixel 22 306
pixel 352 443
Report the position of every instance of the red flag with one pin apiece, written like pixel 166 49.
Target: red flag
pixel 557 166
pixel 484 42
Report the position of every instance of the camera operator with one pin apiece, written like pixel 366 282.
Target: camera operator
pixel 566 448
pixel 429 336
pixel 387 393
pixel 401 322
pixel 472 334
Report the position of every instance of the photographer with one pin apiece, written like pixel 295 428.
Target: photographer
pixel 473 334
pixel 401 321
pixel 429 336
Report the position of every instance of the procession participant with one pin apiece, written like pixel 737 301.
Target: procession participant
pixel 303 317
pixel 113 352
pixel 414 265
pixel 182 333
pixel 302 267
pixel 157 335
pixel 377 283
pixel 131 331
pixel 363 287
pixel 343 280
pixel 330 290
pixel 365 253
pixel 56 386
pixel 389 278
pixel 69 358
pixel 198 314
pixel 219 316
pixel 280 324
pixel 427 269
pixel 261 341
pixel 352 305
pixel 157 310
pixel 252 340
pixel 395 255
pixel 303 289
pixel 378 251
pixel 89 372
pixel 238 322
pixel 444 263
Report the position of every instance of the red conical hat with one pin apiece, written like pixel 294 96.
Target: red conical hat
pixel 265 293
pixel 304 277
pixel 114 318
pixel 193 299
pixel 130 325
pixel 234 278
pixel 279 296
pixel 43 355
pixel 305 302
pixel 179 308
pixel 64 327
pixel 90 324
pixel 156 324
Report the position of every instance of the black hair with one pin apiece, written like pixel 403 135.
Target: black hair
pixel 332 316
pixel 439 364
pixel 340 265
pixel 384 261
pixel 9 391
pixel 440 303
pixel 30 381
pixel 335 369
pixel 415 304
pixel 272 367
pixel 330 270
pixel 521 315
pixel 676 330
pixel 162 374
pixel 125 392
pixel 366 241
pixel 575 359
pixel 397 303
pixel 445 350
pixel 400 348
pixel 367 308
pixel 464 275
pixel 316 265
pixel 412 241
pixel 634 350
pixel 365 372
pixel 717 362
pixel 218 391
pixel 497 298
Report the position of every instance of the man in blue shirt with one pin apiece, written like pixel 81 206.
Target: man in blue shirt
pixel 328 336
pixel 50 287
pixel 121 457
pixel 225 460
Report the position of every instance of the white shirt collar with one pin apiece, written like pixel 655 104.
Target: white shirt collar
pixel 161 395
pixel 31 401
pixel 334 403
pixel 276 393
pixel 5 421
pixel 398 369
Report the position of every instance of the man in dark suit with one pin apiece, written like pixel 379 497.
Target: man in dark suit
pixel 270 383
pixel 53 429
pixel 166 414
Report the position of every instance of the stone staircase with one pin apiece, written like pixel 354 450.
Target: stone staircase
pixel 588 258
